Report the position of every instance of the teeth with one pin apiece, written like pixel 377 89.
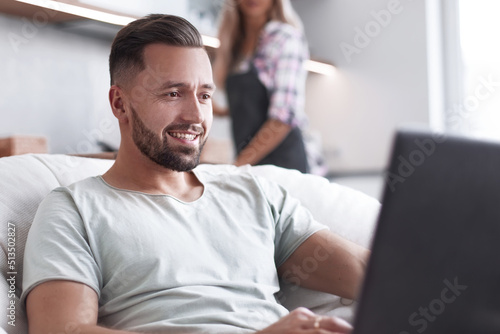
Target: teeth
pixel 179 135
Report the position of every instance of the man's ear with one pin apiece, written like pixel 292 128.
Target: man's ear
pixel 117 102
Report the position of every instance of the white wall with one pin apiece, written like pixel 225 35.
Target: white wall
pixel 54 83
pixel 374 90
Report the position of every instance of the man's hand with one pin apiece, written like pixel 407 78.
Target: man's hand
pixel 302 320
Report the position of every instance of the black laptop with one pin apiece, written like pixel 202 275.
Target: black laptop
pixel 435 265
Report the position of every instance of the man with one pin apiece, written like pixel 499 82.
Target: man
pixel 153 246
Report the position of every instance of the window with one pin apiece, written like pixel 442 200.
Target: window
pixel 475 108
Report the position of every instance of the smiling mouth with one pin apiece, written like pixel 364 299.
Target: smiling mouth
pixel 183 136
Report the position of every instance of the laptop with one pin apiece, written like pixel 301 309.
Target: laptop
pixel 435 264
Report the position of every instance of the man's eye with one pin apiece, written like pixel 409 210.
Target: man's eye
pixel 206 96
pixel 173 94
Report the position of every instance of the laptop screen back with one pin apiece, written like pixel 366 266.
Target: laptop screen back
pixel 434 265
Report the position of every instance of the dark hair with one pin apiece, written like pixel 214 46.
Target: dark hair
pixel 126 57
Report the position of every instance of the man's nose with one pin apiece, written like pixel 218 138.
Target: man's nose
pixel 192 111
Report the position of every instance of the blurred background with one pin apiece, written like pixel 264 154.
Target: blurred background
pixel 388 63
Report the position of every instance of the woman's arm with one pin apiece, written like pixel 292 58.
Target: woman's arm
pixel 269 136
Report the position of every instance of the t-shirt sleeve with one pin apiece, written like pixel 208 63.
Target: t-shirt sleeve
pixel 57 247
pixel 294 223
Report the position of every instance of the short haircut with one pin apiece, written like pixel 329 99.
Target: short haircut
pixel 126 57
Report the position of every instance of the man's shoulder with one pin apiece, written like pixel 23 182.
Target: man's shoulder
pixel 65 201
pixel 74 190
pixel 220 174
pixel 220 170
pixel 229 177
pixel 89 183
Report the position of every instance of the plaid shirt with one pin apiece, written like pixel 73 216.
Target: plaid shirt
pixel 279 60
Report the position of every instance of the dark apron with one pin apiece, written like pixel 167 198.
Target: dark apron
pixel 248 105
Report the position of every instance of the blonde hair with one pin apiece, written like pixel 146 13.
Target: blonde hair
pixel 232 31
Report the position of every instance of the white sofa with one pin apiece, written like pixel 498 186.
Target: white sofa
pixel 25 180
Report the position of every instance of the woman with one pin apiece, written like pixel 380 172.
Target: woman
pixel 260 64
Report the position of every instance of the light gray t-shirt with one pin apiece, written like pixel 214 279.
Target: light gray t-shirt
pixel 161 264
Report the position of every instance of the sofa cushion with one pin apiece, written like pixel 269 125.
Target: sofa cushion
pixel 25 180
pixel 18 203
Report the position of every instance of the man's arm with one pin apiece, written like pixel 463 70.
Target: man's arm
pixel 64 307
pixel 329 263
pixel 71 307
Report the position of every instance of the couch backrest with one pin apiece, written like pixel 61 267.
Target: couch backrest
pixel 25 180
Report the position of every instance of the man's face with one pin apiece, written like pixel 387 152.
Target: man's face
pixel 170 105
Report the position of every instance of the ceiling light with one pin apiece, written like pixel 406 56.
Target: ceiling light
pixel 89 13
pixel 210 41
pixel 122 20
pixel 321 68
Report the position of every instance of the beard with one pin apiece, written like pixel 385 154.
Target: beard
pixel 180 158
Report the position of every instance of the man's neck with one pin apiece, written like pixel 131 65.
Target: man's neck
pixel 138 173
